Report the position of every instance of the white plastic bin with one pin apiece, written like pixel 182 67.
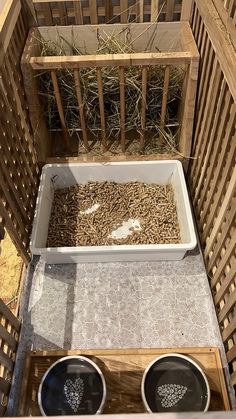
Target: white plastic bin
pixel 57 176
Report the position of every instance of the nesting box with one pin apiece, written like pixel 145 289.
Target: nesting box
pixel 61 56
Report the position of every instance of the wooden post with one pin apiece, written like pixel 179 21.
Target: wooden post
pixel 101 108
pixel 124 11
pixel 169 10
pixel 48 18
pixel 164 99
pixel 81 108
pixel 108 11
pixel 60 108
pixel 122 107
pixel 140 11
pixel 186 10
pixel 154 10
pixel 143 107
pixel 93 12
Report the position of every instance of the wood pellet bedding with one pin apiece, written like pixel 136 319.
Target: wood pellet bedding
pixel 88 215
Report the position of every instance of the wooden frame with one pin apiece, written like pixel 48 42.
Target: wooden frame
pixel 123 390
pixel 212 174
pixel 18 166
pixel 178 49
pixel 9 336
pixel 65 12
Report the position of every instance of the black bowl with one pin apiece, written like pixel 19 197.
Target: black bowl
pixel 175 383
pixel 73 385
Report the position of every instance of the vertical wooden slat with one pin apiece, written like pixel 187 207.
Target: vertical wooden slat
pixel 81 108
pixel 108 11
pixel 217 237
pixel 186 10
pixel 225 284
pixel 63 14
pixel 231 8
pixel 93 12
pixel 212 77
pixel 229 221
pixel 213 132
pixel 122 107
pixel 169 10
pixel 78 11
pixel 124 11
pixel 60 108
pixel 210 209
pixel 101 109
pixel 207 56
pixel 154 10
pixel 140 8
pixel 47 14
pixel 234 17
pixel 214 154
pixel 165 96
pixel 143 106
pixel 9 335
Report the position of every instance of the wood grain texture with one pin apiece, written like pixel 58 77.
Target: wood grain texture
pixel 42 139
pixel 19 169
pixel 109 60
pixel 123 369
pixel 186 56
pixel 212 175
pixel 9 336
pixel 220 42
pixel 49 11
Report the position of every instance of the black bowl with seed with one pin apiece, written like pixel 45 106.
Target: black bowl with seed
pixel 73 385
pixel 175 383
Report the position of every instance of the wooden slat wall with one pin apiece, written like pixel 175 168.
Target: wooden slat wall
pixel 212 175
pixel 95 11
pixel 9 335
pixel 18 167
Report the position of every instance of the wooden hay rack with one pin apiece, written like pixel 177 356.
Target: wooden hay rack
pixel 176 48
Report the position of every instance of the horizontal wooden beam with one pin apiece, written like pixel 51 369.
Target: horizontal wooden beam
pixel 111 60
pixel 121 157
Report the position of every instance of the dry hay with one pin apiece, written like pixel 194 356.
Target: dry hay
pixel 111 44
pixel 11 266
pixel 152 205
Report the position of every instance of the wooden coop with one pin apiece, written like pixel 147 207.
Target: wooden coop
pixel 196 36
